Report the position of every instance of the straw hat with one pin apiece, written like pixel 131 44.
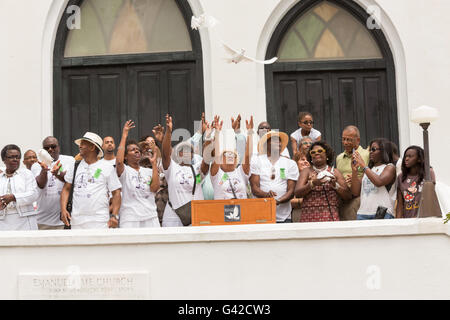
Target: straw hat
pixel 94 139
pixel 262 142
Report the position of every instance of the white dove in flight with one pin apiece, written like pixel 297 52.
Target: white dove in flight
pixel 238 56
pixel 203 21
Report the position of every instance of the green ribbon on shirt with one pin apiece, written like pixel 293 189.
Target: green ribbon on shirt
pixel 97 173
pixel 198 178
pixel 282 173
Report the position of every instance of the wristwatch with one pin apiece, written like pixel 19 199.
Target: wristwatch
pixel 115 216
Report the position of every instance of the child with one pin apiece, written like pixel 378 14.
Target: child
pixel 410 182
pixel 305 123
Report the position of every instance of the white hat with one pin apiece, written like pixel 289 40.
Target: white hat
pixel 94 139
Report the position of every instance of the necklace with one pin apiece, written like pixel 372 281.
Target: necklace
pixel 320 169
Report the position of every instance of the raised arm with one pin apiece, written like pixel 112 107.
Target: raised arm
pixel 155 184
pixel 217 156
pixel 120 157
pixel 167 143
pixel 248 146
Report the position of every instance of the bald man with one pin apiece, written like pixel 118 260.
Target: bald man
pixel 50 181
pixel 350 141
pixel 109 147
pixel 29 158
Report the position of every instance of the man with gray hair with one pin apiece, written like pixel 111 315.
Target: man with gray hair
pixel 350 141
pixel 50 181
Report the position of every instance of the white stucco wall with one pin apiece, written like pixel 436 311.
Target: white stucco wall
pixel 396 259
pixel 415 30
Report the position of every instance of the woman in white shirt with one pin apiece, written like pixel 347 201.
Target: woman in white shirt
pixel 376 184
pixel 18 191
pixel 184 177
pixel 139 185
pixel 229 180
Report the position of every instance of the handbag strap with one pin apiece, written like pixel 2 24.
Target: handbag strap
pixel 195 179
pixel 77 163
pixel 232 189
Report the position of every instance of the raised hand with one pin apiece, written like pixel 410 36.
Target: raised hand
pixel 236 124
pixel 249 124
pixel 128 126
pixel 158 132
pixel 169 122
pixel 357 161
pixel 217 123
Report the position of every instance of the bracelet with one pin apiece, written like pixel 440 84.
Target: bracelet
pixel 365 168
pixel 116 216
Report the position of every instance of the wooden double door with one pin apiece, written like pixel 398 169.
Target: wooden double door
pixel 335 99
pixel 101 99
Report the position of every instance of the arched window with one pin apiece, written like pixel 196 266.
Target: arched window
pixel 131 59
pixel 333 66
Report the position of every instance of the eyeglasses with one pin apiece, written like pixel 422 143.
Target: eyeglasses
pixel 347 139
pixel 374 149
pixel 52 146
pixel 308 122
pixel 306 143
pixel 13 157
pixel 318 151
pixel 30 157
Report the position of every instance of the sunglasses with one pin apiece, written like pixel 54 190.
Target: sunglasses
pixel 52 146
pixel 374 149
pixel 308 122
pixel 318 151
pixel 306 143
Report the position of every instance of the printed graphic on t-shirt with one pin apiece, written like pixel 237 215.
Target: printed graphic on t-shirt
pixel 409 195
pixel 185 179
pixel 141 185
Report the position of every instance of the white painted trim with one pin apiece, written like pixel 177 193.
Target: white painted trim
pixel 395 43
pixel 266 232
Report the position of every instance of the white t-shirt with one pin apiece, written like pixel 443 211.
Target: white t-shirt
pixel 138 202
pixel 222 181
pixel 284 170
pixel 313 134
pixel 110 162
pixel 373 196
pixel 180 182
pixel 90 195
pixel 48 205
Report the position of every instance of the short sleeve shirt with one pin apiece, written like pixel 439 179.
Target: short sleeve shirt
pixel 180 181
pixel 48 203
pixel 313 134
pixel 138 201
pixel 283 170
pixel 90 195
pixel 224 183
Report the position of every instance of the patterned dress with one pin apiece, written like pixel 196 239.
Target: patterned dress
pixel 321 204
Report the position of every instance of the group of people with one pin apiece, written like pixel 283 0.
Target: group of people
pixel 150 183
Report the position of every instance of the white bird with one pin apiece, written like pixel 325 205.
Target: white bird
pixel 238 56
pixel 45 157
pixel 203 21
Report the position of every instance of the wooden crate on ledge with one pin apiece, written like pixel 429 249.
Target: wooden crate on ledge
pixel 233 211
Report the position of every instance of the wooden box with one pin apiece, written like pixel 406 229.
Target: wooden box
pixel 234 211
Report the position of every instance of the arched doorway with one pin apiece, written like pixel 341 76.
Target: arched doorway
pixel 333 66
pixel 131 59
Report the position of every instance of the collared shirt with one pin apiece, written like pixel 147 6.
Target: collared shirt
pixel 344 162
pixel 24 188
pixel 281 171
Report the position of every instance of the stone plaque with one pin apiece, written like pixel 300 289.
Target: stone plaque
pixel 75 285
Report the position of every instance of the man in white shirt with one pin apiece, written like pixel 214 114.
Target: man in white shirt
pixel 274 176
pixel 263 128
pixel 92 182
pixel 109 146
pixel 17 193
pixel 50 181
